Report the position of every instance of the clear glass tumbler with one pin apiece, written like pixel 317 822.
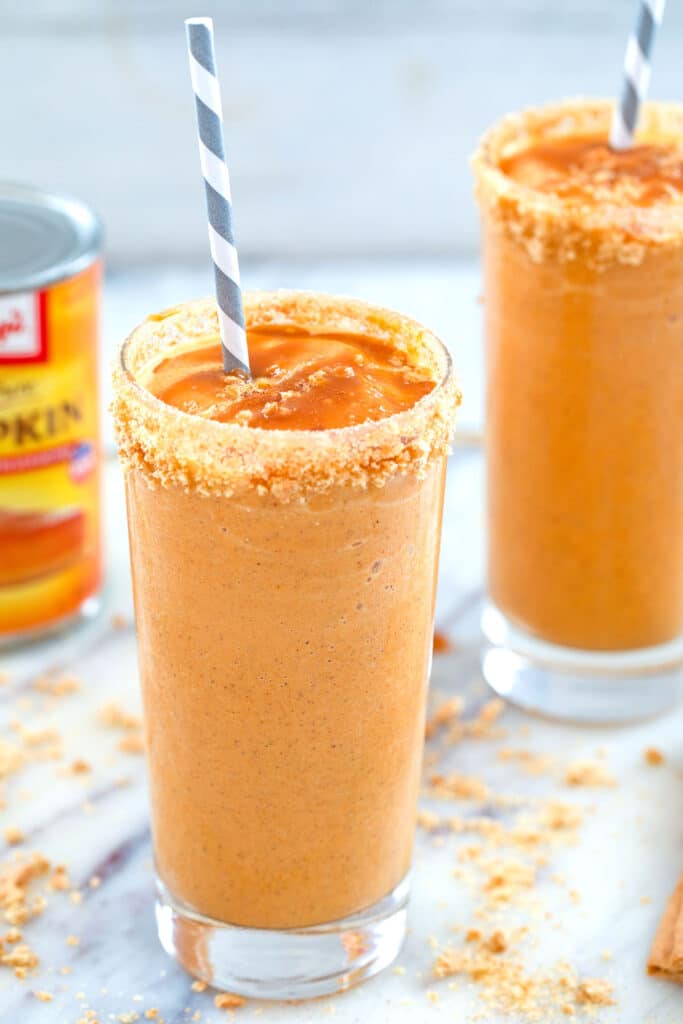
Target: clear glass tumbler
pixel 584 432
pixel 284 589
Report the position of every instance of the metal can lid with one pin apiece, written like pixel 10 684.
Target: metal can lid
pixel 44 238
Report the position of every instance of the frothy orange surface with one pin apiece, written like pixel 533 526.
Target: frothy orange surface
pixel 586 170
pixel 300 381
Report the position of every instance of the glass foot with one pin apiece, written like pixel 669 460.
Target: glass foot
pixel 579 686
pixel 298 963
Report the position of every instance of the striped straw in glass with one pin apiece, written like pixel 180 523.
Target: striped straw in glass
pixel 217 186
pixel 637 68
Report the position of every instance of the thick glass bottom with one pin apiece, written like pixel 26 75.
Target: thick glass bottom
pixel 580 686
pixel 297 963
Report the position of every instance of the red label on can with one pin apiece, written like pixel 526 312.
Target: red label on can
pixel 23 338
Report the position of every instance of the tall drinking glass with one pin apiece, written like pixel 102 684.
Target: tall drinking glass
pixel 583 272
pixel 284 588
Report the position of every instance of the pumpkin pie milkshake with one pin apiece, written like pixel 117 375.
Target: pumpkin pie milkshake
pixel 583 271
pixel 284 535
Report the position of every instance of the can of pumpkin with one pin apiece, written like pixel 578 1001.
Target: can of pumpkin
pixel 50 535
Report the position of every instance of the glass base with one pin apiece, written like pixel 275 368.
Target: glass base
pixel 581 686
pixel 297 963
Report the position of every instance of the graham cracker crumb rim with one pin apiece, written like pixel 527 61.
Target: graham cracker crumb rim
pixel 172 447
pixel 545 223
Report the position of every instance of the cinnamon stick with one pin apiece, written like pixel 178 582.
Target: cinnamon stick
pixel 666 955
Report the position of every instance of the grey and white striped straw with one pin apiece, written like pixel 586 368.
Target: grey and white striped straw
pixel 637 69
pixel 217 185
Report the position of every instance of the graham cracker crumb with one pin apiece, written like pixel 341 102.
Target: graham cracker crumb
pixel 132 743
pixel 464 787
pixel 80 767
pixel 44 997
pixel 15 879
pixel 506 987
pixel 113 716
pixel 199 986
pixel 497 952
pixel 560 816
pixel 497 942
pixel 595 992
pixel 119 620
pixel 428 820
pixel 532 763
pixel 57 686
pixel 653 756
pixel 21 958
pixel 73 940
pixel 444 714
pixel 39 737
pixel 506 880
pixel 14 835
pixel 11 759
pixel 588 773
pixel 228 1001
pixel 482 726
pixel 491 711
pixel 483 825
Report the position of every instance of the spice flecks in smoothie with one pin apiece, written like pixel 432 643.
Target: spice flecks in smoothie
pixel 300 381
pixel 585 170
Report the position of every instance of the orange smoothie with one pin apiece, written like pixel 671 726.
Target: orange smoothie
pixel 284 540
pixel 583 268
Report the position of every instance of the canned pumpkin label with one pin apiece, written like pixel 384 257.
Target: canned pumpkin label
pixel 49 453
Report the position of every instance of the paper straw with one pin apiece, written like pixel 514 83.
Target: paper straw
pixel 217 186
pixel 637 69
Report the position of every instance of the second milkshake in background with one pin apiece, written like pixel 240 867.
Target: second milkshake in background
pixel 583 282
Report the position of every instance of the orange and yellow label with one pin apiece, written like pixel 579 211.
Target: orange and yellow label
pixel 50 558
